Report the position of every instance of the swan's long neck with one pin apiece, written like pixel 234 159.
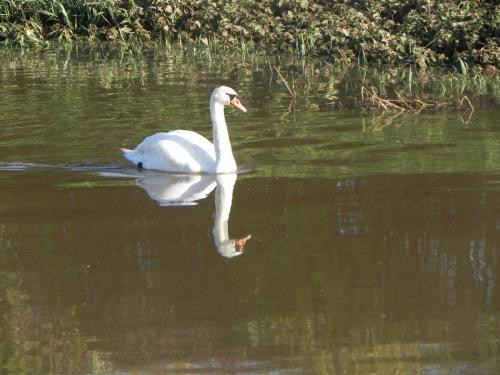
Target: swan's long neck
pixel 225 162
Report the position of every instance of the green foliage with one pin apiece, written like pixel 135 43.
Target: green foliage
pixel 416 32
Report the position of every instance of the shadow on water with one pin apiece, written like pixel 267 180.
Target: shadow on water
pixel 169 190
pixel 180 190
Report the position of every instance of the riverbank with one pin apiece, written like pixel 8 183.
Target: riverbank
pixel 419 33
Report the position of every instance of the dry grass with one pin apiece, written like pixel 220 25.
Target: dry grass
pixel 372 101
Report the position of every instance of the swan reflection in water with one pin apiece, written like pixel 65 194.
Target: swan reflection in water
pixel 187 190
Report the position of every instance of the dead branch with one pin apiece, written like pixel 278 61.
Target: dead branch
pixel 292 93
pixel 371 100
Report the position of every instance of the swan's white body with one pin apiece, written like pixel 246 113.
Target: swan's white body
pixel 187 151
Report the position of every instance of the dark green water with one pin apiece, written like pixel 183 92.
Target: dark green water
pixel 373 251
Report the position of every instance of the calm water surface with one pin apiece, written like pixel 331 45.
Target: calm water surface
pixel 373 251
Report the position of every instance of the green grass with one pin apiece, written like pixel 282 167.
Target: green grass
pixel 418 33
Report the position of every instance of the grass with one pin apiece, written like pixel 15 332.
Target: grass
pixel 460 34
pixel 35 22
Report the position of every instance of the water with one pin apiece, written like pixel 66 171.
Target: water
pixel 373 250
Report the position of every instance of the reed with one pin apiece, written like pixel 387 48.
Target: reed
pixel 386 89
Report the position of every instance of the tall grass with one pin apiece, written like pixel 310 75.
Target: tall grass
pixel 462 33
pixel 29 22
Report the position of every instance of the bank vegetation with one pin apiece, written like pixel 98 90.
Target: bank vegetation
pixel 461 34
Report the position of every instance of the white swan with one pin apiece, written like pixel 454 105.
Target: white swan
pixel 187 151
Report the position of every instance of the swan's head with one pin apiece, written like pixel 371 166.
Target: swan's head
pixel 227 96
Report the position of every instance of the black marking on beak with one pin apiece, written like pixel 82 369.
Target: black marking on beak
pixel 232 96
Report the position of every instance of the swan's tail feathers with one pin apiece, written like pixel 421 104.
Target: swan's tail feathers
pixel 130 155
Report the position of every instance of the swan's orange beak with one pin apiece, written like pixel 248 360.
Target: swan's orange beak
pixel 235 102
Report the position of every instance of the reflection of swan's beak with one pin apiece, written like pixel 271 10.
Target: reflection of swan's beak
pixel 235 102
pixel 242 241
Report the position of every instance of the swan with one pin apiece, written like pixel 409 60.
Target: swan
pixel 187 151
pixel 170 189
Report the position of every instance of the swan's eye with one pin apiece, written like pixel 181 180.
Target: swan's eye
pixel 231 96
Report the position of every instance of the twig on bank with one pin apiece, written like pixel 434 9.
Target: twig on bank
pixel 292 93
pixel 465 99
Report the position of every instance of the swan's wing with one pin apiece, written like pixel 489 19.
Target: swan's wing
pixel 176 151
